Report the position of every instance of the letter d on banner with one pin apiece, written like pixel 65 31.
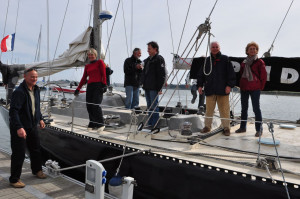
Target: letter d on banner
pixel 289 76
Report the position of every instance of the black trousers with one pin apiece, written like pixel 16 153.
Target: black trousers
pixel 94 96
pixel 18 146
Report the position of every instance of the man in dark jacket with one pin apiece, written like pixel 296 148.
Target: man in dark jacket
pixel 218 78
pixel 24 115
pixel 154 75
pixel 133 72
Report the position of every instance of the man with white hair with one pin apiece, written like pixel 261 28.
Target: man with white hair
pixel 218 78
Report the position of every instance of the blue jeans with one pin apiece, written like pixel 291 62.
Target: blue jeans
pixel 255 96
pixel 150 96
pixel 132 97
pixel 194 91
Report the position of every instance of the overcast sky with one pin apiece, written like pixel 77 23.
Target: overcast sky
pixel 234 24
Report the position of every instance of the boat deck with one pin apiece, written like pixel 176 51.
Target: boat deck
pixel 237 152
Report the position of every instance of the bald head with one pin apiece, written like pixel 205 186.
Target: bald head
pixel 214 47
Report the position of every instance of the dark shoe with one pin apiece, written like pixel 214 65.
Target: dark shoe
pixel 18 184
pixel 40 175
pixel 257 134
pixel 194 98
pixel 226 132
pixel 240 130
pixel 205 130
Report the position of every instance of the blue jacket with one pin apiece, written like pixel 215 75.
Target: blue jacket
pixel 222 75
pixel 20 112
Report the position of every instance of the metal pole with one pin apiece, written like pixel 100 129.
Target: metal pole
pixel 97 27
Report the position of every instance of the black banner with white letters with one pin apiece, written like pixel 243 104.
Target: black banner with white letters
pixel 283 73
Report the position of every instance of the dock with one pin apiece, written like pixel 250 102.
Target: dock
pixel 60 187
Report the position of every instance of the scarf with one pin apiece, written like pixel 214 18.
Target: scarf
pixel 247 70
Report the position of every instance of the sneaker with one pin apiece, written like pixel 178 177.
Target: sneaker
pixel 226 132
pixel 40 175
pixel 240 130
pixel 100 129
pixel 205 130
pixel 18 184
pixel 257 134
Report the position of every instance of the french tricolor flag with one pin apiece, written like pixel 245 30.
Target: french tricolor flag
pixel 7 43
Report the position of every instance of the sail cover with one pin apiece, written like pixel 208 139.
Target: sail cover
pixel 283 73
pixel 75 56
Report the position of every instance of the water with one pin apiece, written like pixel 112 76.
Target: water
pixel 272 107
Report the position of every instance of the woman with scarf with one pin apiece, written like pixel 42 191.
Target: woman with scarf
pixel 253 79
pixel 95 77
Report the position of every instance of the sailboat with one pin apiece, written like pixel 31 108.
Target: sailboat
pixel 174 160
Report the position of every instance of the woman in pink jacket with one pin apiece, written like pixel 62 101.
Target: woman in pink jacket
pixel 253 79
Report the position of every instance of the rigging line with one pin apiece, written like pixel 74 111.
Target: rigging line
pixel 281 26
pixel 184 26
pixel 112 27
pixel 62 25
pixel 212 9
pixel 170 23
pixel 173 70
pixel 48 56
pixel 170 26
pixel 270 125
pixel 12 55
pixel 177 86
pixel 38 46
pixel 131 34
pixel 126 142
pixel 109 60
pixel 125 29
pixel 4 26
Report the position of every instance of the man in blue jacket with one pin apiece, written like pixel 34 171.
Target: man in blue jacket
pixel 218 78
pixel 154 76
pixel 25 115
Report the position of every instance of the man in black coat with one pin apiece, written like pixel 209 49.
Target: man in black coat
pixel 154 76
pixel 218 78
pixel 24 115
pixel 132 82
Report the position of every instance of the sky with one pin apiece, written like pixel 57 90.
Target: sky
pixel 234 24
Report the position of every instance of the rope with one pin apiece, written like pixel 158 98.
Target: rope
pixel 268 54
pixel 62 25
pixel 4 26
pixel 271 129
pixel 204 66
pixel 101 161
pixel 170 26
pixel 187 14
pixel 133 115
pixel 109 60
pixel 212 9
pixel 112 27
pixel 177 86
pixel 125 29
pixel 174 75
pixel 131 34
pixel 38 46
pixel 12 55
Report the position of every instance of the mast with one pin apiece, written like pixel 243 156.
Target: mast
pixel 97 27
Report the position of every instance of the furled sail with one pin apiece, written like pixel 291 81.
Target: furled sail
pixel 75 56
